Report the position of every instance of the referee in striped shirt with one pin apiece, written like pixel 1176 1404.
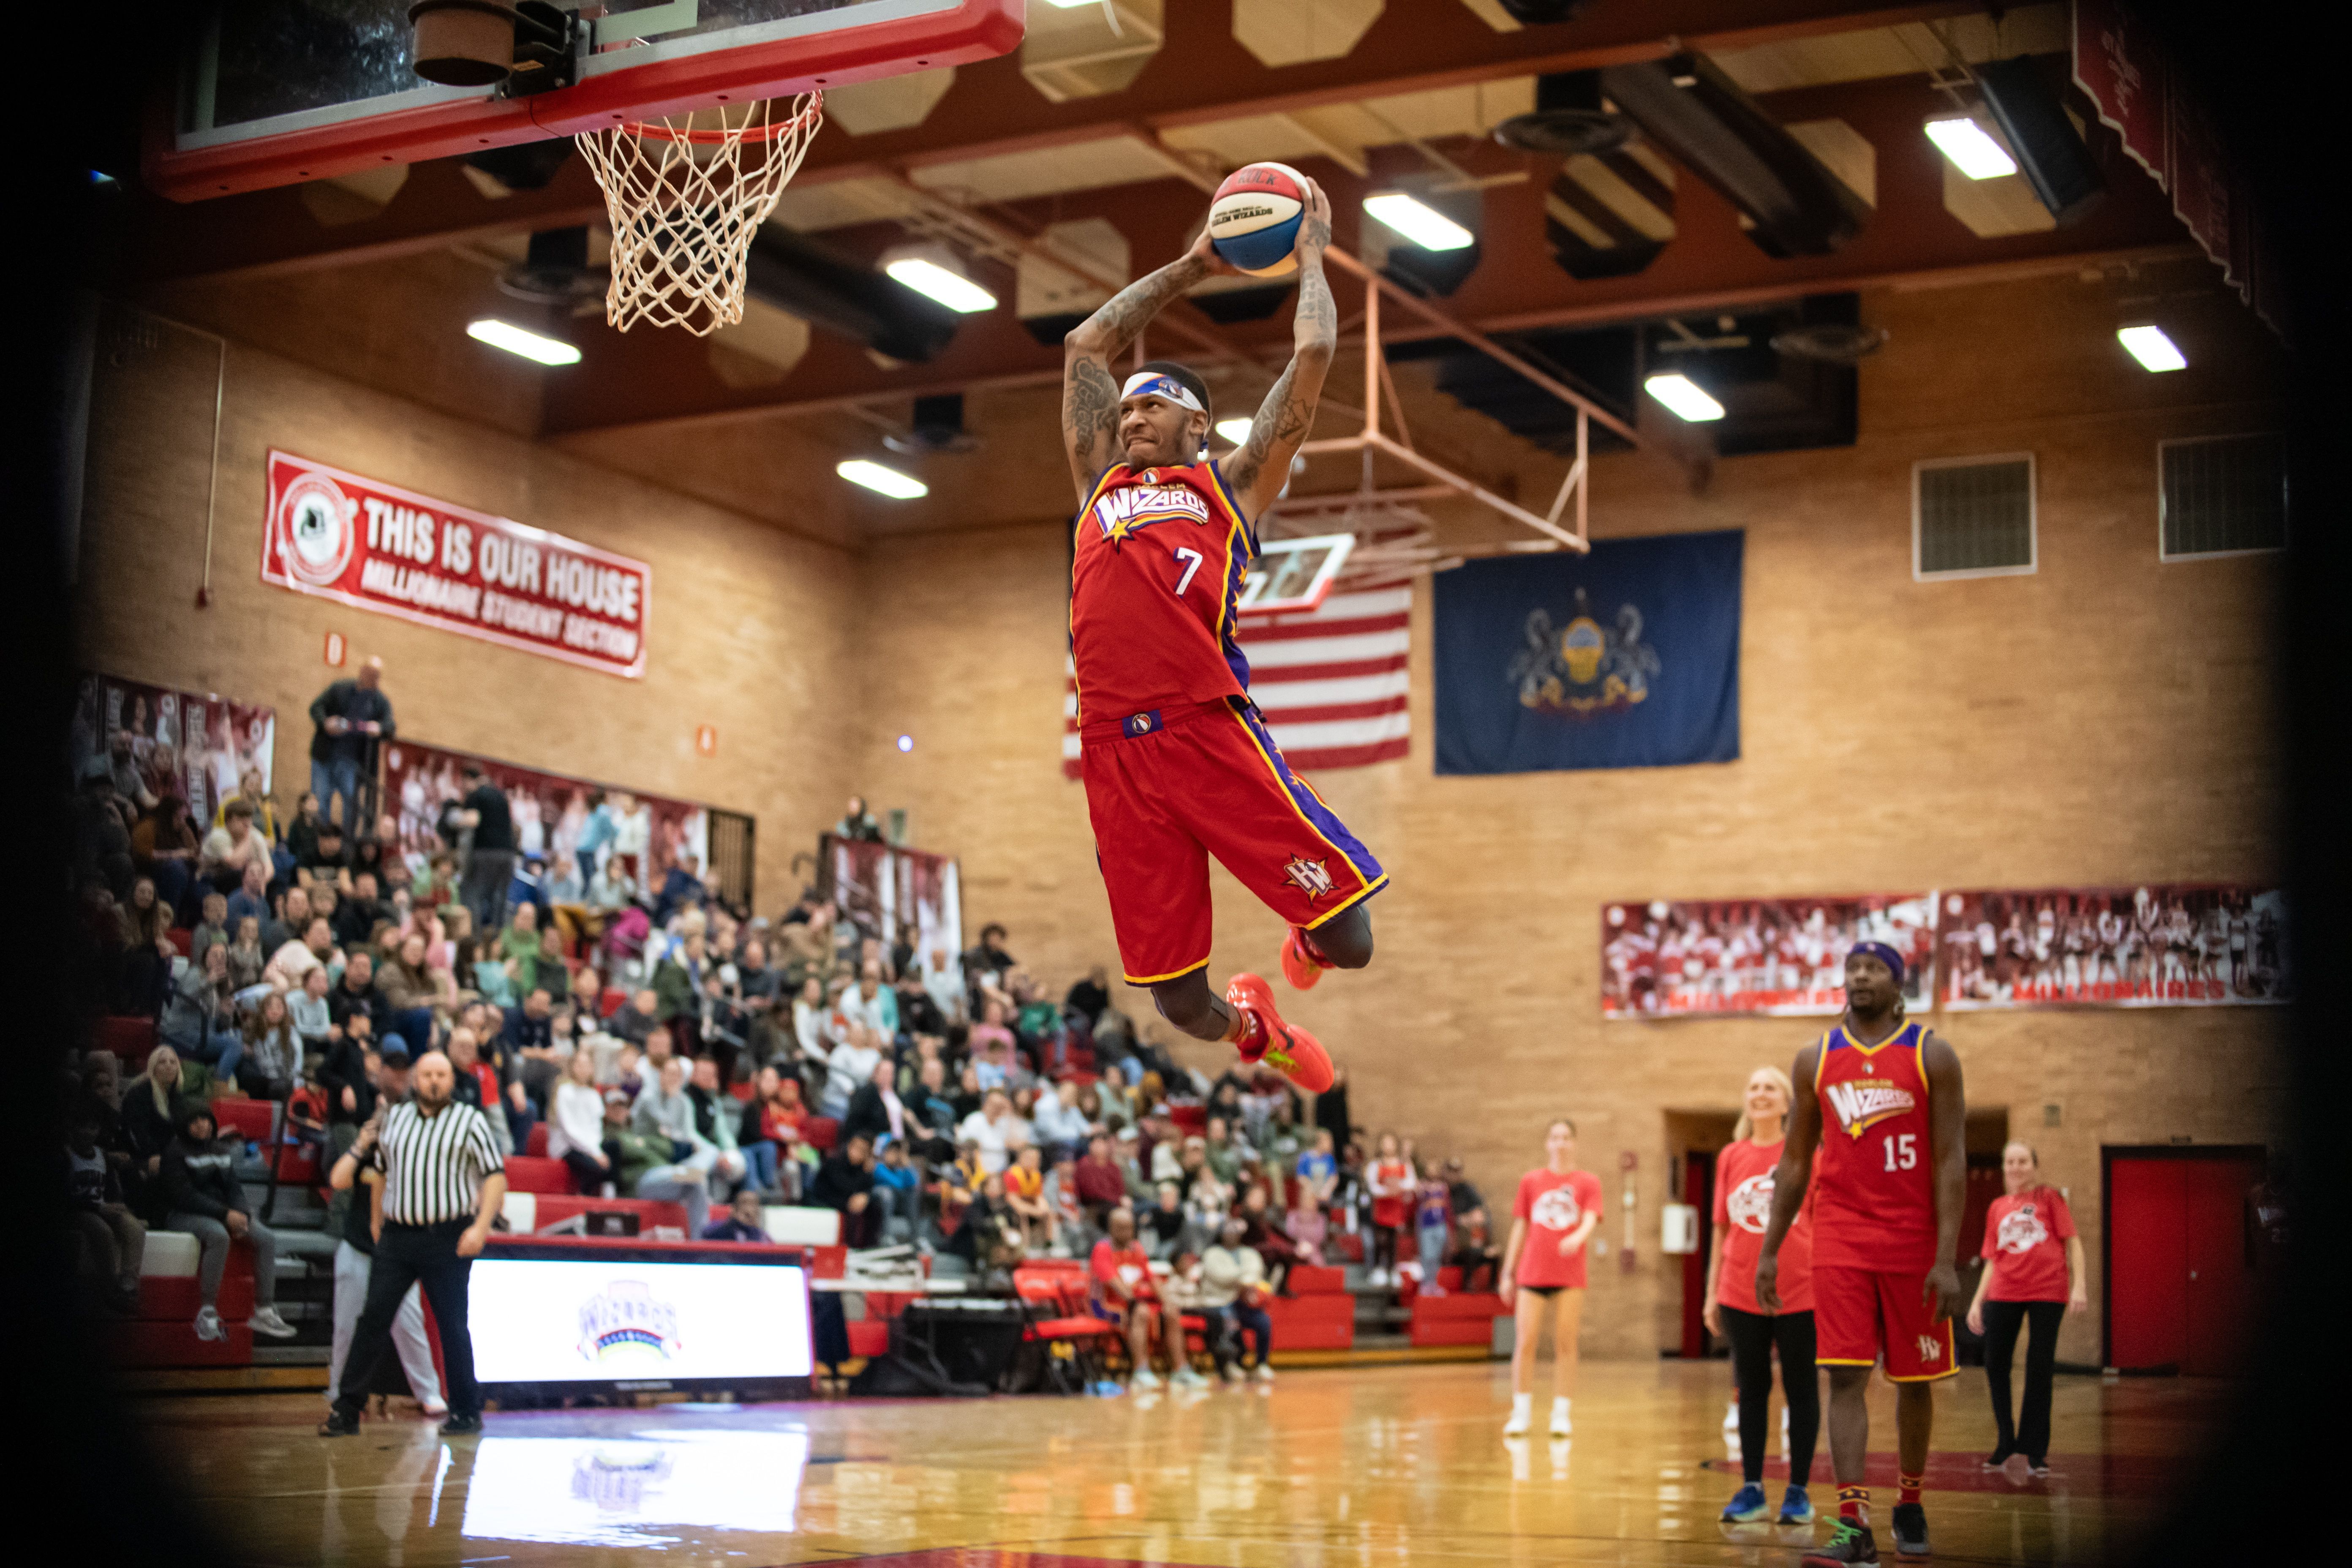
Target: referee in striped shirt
pixel 444 1183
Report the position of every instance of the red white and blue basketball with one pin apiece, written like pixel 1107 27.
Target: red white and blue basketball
pixel 1254 223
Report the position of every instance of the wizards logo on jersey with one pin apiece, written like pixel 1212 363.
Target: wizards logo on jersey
pixel 1862 1102
pixel 1120 512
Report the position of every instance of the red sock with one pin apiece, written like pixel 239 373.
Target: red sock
pixel 1907 1487
pixel 1248 1035
pixel 1854 1504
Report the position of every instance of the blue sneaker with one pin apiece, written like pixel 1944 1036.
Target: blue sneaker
pixel 1796 1507
pixel 1747 1505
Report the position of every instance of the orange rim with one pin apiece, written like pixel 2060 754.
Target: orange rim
pixel 654 131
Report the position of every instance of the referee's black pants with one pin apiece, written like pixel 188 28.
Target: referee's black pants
pixel 409 1254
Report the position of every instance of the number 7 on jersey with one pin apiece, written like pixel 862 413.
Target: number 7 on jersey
pixel 1192 559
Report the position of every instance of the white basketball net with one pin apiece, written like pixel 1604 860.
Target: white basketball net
pixel 686 197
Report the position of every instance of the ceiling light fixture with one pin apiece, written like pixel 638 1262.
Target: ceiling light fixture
pixel 1970 147
pixel 1235 430
pixel 2151 346
pixel 881 480
pixel 516 341
pixel 1424 226
pixel 1685 397
pixel 953 289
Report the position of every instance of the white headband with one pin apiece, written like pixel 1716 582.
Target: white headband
pixel 1162 385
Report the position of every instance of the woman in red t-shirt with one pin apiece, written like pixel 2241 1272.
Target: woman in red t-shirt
pixel 2033 1271
pixel 1743 1207
pixel 1543 1273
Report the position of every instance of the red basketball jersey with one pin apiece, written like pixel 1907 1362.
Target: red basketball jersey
pixel 1153 582
pixel 1874 1188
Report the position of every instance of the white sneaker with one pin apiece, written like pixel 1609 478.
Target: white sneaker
pixel 1264 1371
pixel 1186 1378
pixel 1521 1417
pixel 266 1321
pixel 208 1324
pixel 1233 1372
pixel 1144 1381
pixel 1731 1416
pixel 433 1410
pixel 1559 1426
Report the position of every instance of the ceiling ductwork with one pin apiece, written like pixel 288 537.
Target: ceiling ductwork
pixel 1690 109
pixel 1569 118
pixel 2049 151
pixel 555 271
pixel 820 285
pixel 936 426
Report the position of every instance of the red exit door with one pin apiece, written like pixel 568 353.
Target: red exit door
pixel 2180 1274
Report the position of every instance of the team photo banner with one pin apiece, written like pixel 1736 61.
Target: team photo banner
pixel 1697 958
pixel 361 541
pixel 2156 946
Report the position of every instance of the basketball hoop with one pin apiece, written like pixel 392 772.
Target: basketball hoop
pixel 687 196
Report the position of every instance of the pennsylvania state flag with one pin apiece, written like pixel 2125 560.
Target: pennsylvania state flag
pixel 1627 657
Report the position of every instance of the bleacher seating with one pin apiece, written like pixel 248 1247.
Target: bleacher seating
pixel 163 1331
pixel 251 1120
pixel 1319 1315
pixel 184 940
pixel 820 1132
pixel 128 1038
pixel 536 1144
pixel 527 1174
pixel 1454 1319
pixel 526 1213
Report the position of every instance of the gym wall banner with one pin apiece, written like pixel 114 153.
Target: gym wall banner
pixel 2160 945
pixel 362 543
pixel 1704 958
pixel 1627 657
pixel 195 745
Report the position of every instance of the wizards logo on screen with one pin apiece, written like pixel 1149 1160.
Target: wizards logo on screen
pixel 627 1321
pixel 1626 657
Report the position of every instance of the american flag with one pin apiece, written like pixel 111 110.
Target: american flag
pixel 1331 681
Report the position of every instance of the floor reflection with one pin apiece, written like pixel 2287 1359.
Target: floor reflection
pixel 636 1489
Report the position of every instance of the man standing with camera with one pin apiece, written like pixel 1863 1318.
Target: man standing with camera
pixel 443 1183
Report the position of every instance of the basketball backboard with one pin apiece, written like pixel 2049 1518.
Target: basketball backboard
pixel 276 91
pixel 1292 574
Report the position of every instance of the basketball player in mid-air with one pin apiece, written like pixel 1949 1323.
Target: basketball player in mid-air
pixel 1177 761
pixel 1882 1101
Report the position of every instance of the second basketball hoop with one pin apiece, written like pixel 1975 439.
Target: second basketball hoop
pixel 686 197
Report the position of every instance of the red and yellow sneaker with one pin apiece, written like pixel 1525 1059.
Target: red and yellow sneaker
pixel 1289 1049
pixel 1301 964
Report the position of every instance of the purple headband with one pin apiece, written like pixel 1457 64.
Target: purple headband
pixel 1883 954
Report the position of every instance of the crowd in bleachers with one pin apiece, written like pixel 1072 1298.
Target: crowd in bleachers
pixel 673 1049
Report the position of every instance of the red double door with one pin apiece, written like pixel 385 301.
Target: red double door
pixel 2180 1275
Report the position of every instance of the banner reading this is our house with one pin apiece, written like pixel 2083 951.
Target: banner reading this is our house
pixel 364 542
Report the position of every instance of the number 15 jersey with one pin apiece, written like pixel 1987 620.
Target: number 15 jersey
pixel 1874 1188
pixel 1156 573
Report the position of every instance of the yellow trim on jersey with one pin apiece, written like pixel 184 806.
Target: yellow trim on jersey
pixel 1271 767
pixel 1357 896
pixel 1173 974
pixel 1894 1039
pixel 1840 1361
pixel 1921 1377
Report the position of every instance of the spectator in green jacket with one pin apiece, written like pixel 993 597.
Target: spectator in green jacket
pixel 645 1167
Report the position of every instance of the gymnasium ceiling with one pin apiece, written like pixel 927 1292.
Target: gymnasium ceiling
pixel 1104 146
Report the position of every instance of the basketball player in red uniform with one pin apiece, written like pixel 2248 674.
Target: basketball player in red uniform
pixel 1882 1101
pixel 1177 761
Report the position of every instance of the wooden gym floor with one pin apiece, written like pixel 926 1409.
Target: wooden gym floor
pixel 1355 1465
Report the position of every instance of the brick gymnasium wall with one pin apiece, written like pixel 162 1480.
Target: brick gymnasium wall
pixel 750 629
pixel 2101 722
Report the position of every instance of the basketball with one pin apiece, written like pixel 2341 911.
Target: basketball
pixel 1254 223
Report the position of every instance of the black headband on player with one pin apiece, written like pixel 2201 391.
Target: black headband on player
pixel 1883 954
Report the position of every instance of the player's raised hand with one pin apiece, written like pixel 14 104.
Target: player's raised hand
pixel 1206 252
pixel 1315 234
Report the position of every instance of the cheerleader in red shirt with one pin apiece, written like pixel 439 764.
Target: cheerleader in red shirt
pixel 2033 1271
pixel 1743 1207
pixel 1391 1179
pixel 1543 1273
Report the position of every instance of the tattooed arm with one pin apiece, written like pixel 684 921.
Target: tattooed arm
pixel 1259 470
pixel 1089 389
